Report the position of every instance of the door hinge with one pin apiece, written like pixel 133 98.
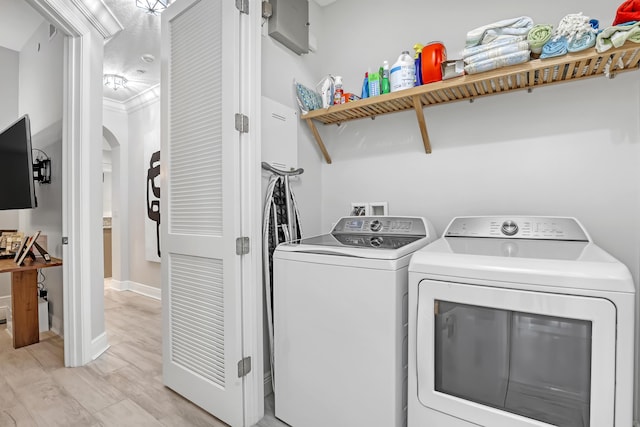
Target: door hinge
pixel 243 6
pixel 242 123
pixel 65 240
pixel 242 245
pixel 244 366
pixel 267 10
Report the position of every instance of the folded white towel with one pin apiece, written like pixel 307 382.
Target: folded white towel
pixel 496 52
pixel 499 62
pixel 470 51
pixel 508 27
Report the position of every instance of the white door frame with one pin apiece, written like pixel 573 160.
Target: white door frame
pixel 76 133
pixel 252 307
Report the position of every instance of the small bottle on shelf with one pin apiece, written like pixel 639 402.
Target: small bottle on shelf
pixel 338 94
pixel 385 86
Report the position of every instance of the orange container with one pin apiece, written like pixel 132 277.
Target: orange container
pixel 433 55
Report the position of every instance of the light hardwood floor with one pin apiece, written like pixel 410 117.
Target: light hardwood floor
pixel 123 387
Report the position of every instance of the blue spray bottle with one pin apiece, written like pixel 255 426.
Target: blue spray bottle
pixel 418 61
pixel 365 86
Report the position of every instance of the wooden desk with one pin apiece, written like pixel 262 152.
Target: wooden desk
pixel 24 298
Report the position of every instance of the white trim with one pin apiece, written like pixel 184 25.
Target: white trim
pixel 99 345
pixel 250 173
pixel 268 386
pixel 76 137
pixel 146 290
pixel 139 288
pixel 118 285
pixel 146 97
pixel 5 303
pixel 137 102
pixel 100 16
pixel 113 106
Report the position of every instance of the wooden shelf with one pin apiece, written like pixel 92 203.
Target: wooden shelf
pixel 532 74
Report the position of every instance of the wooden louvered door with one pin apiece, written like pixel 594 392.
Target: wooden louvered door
pixel 200 216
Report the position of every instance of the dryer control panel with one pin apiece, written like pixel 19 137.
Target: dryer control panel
pixel 518 227
pixel 388 225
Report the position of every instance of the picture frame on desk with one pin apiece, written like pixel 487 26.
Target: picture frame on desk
pixel 20 248
pixel 12 240
pixel 26 248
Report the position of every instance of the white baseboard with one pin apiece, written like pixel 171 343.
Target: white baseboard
pixel 5 303
pixel 138 288
pixel 99 345
pixel 117 285
pixel 268 387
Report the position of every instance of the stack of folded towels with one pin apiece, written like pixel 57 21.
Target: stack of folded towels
pixel 575 32
pixel 497 45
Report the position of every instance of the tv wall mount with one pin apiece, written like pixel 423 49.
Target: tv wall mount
pixel 42 168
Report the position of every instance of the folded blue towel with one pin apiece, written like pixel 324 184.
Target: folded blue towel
pixel 554 47
pixel 585 41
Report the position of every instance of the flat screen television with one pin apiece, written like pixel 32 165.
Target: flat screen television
pixel 17 190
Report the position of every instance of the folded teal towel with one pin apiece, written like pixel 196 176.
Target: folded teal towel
pixel 585 41
pixel 554 47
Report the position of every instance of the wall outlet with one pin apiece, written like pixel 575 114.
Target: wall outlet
pixel 359 209
pixel 379 208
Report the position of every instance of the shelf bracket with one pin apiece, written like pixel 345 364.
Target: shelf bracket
pixel 316 135
pixel 417 105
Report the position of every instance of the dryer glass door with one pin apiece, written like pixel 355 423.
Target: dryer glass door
pixel 507 357
pixel 528 364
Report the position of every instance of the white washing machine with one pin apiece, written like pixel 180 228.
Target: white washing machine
pixel 519 321
pixel 340 323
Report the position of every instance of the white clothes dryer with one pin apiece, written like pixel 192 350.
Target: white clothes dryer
pixel 340 323
pixel 519 322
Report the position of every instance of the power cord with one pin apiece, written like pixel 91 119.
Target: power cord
pixel 42 291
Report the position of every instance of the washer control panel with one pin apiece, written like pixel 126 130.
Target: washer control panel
pixel 518 227
pixel 388 225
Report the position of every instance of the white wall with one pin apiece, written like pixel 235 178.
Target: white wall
pixel 567 150
pixel 8 114
pixel 570 149
pixel 40 96
pixel 107 181
pixel 116 132
pixel 94 199
pixel 144 127
pixel 280 67
pixel 9 61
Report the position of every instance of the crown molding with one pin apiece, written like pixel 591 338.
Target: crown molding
pixel 135 103
pixel 100 16
pixel 114 106
pixel 143 99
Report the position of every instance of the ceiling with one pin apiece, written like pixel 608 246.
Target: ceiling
pixel 122 53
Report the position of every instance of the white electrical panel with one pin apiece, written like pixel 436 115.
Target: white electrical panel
pixel 279 135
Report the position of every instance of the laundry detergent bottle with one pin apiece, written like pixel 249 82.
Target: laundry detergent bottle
pixel 403 73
